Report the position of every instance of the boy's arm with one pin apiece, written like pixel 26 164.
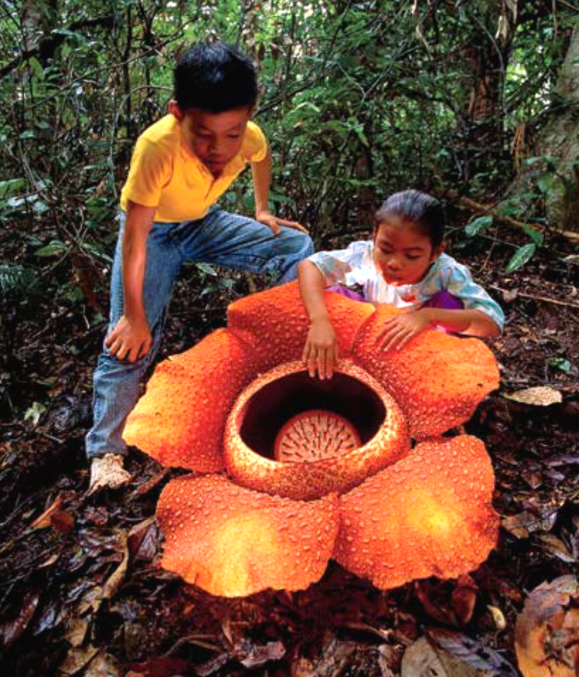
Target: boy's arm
pixel 131 339
pixel 321 350
pixel 261 173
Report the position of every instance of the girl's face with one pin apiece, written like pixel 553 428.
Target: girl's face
pixel 401 252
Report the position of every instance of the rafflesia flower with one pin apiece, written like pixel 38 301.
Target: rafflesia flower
pixel 292 471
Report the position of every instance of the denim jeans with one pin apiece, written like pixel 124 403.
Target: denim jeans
pixel 219 238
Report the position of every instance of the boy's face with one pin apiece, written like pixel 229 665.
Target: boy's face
pixel 215 138
pixel 401 252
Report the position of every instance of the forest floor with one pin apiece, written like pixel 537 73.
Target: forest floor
pixel 80 589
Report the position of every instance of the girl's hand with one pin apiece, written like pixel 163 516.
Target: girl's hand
pixel 129 340
pixel 321 349
pixel 398 331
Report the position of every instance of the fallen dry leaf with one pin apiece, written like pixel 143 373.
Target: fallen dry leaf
pixel 525 523
pixel 76 659
pixel 112 584
pixel 389 658
pixel 533 478
pixel 541 396
pixel 449 653
pixel 556 547
pixel 161 666
pixel 55 517
pixel 449 602
pixel 76 630
pixel 103 664
pixel 151 483
pixel 143 540
pixel 421 659
pixel 547 630
pixel 332 661
pixel 498 617
pixel 251 655
pixel 12 629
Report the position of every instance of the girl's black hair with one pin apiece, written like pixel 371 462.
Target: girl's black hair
pixel 215 77
pixel 421 209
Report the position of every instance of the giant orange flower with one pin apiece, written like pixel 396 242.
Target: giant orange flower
pixel 292 471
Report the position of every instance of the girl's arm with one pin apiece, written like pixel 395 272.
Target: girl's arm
pixel 467 321
pixel 400 329
pixel 321 349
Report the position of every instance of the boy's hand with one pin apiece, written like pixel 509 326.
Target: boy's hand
pixel 275 223
pixel 398 331
pixel 129 340
pixel 321 349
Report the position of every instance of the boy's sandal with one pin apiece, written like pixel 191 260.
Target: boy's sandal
pixel 107 471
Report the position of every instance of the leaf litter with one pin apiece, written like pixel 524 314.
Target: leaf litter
pixel 82 593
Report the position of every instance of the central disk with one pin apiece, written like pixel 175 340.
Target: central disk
pixel 314 435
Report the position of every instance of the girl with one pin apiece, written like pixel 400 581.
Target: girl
pixel 405 266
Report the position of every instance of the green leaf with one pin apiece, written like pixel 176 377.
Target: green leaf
pixel 40 207
pixel 34 413
pixel 521 256
pixel 560 363
pixel 17 282
pixel 73 293
pixel 478 225
pixel 36 68
pixel 308 105
pixel 545 182
pixel 70 34
pixel 53 248
pixel 10 187
pixel 535 236
pixel 276 198
pixel 207 269
pixel 97 252
pixel 551 160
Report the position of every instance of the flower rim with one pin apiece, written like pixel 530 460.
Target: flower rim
pixel 314 479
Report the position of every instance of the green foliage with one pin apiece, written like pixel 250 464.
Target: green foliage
pixel 358 99
pixel 478 225
pixel 521 257
pixel 17 283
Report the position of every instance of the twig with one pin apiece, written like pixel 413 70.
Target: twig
pixel 480 208
pixel 50 437
pixel 538 297
pixel 569 5
pixel 54 41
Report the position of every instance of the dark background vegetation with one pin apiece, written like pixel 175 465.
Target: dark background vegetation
pixel 475 101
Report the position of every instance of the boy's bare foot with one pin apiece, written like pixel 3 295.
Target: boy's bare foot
pixel 107 471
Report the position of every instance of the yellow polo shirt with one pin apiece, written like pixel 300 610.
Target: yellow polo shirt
pixel 164 175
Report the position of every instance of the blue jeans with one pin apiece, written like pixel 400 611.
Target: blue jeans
pixel 219 238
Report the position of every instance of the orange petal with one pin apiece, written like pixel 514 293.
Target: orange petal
pixel 231 541
pixel 437 379
pixel 429 514
pixel 275 322
pixel 181 418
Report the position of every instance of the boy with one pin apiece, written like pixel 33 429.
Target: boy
pixel 180 166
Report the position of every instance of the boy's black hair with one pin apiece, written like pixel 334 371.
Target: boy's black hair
pixel 421 209
pixel 215 77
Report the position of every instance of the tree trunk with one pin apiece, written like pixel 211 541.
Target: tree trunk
pixel 37 20
pixel 559 139
pixel 480 124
